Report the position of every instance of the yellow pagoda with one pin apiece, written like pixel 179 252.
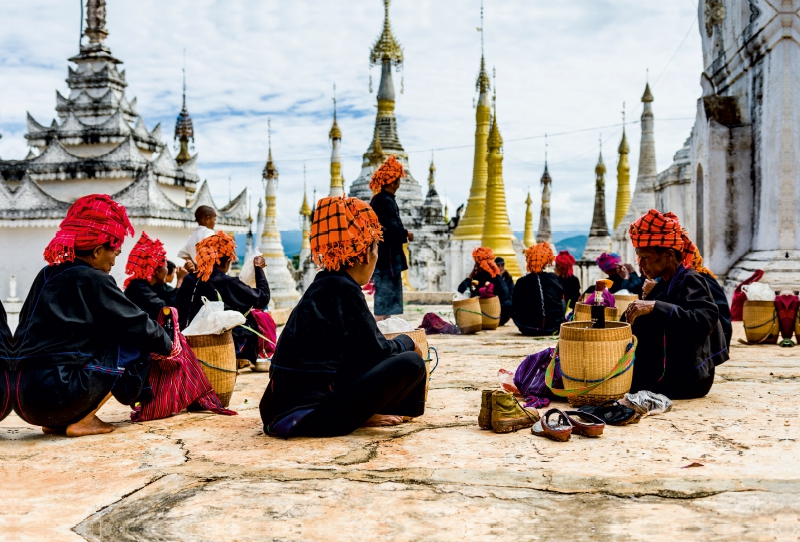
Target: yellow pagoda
pixel 528 239
pixel 623 179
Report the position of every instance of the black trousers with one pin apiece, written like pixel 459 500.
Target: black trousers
pixel 396 386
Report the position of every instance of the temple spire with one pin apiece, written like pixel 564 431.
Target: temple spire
pixel 431 175
pixel 335 135
pixel 95 23
pixel 269 171
pixel 545 232
pixel 497 233
pixel 623 177
pixel 305 218
pixel 599 222
pixel 528 239
pixel 184 129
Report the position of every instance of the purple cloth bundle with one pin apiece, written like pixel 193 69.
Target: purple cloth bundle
pixel 530 378
pixel 608 299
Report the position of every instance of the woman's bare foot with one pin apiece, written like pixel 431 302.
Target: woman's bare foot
pixel 90 425
pixel 381 420
pixel 53 430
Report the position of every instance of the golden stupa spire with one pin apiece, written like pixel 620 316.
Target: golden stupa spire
pixel 305 218
pixel 335 135
pixel 497 233
pixel 623 177
pixel 376 156
pixel 528 238
pixel 471 224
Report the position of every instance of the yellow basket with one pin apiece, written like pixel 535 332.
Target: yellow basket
pixel 217 356
pixel 760 319
pixel 623 300
pixel 467 313
pixel 490 312
pixel 583 313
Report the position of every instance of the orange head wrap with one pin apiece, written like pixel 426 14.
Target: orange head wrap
pixel 656 230
pixel 342 231
pixel 389 172
pixel 484 257
pixel 92 221
pixel 146 256
pixel 210 252
pixel 697 265
pixel 538 257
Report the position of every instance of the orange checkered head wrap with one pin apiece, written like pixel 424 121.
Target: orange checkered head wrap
pixel 697 265
pixel 92 221
pixel 484 257
pixel 389 172
pixel 343 230
pixel 145 258
pixel 210 252
pixel 656 230
pixel 538 256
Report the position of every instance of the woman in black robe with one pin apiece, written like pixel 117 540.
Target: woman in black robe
pixel 538 300
pixel 486 272
pixel 216 285
pixel 569 282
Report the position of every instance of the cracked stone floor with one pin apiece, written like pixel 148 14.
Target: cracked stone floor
pixel 208 477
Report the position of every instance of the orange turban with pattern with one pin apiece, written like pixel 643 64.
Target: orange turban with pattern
pixel 538 257
pixel 484 257
pixel 210 252
pixel 342 231
pixel 389 172
pixel 654 229
pixel 146 256
pixel 697 265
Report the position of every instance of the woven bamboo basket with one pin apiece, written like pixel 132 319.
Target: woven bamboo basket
pixel 760 319
pixel 490 312
pixel 583 313
pixel 623 300
pixel 797 326
pixel 589 355
pixel 421 340
pixel 217 356
pixel 468 315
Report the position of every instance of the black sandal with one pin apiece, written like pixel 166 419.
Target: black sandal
pixel 612 413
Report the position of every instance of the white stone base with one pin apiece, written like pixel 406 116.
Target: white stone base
pixel 780 272
pixel 283 288
pixel 458 260
pixel 595 246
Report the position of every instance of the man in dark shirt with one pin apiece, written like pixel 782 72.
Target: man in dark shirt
pixel 79 339
pixel 333 370
pixel 505 275
pixel 391 257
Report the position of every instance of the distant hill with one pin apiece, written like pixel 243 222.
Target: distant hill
pixel 291 239
pixel 574 245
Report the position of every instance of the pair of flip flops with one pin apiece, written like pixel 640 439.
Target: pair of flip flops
pixel 612 413
pixel 559 425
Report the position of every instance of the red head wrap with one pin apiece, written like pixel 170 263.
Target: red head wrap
pixel 656 230
pixel 210 252
pixel 92 221
pixel 146 256
pixel 484 257
pixel 389 172
pixel 538 257
pixel 565 261
pixel 342 231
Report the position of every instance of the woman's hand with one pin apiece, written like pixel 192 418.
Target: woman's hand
pixel 639 308
pixel 189 266
pixel 259 261
pixel 648 286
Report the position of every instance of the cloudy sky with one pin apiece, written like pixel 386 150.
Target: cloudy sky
pixel 563 67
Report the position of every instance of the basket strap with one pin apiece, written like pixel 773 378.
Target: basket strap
pixel 466 310
pixel 437 357
pixel 490 316
pixel 217 368
pixel 624 364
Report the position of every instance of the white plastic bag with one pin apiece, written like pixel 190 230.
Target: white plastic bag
pixel 248 271
pixel 394 325
pixel 459 296
pixel 759 291
pixel 213 319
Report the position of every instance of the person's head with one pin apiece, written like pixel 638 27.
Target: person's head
pixel 215 252
pixel 170 272
pixel 388 177
pixel 538 257
pixel 344 236
pixel 147 261
pixel 501 264
pixel 658 262
pixel 564 263
pixel 206 216
pixel 484 259
pixel 92 231
pixel 659 239
pixel 609 263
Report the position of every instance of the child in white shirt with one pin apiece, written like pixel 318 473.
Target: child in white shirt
pixel 206 219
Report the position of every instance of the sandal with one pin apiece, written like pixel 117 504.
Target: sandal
pixel 585 424
pixel 612 413
pixel 559 431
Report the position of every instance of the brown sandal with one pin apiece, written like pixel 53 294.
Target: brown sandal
pixel 560 430
pixel 585 424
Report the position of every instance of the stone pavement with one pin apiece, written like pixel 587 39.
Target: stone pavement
pixel 207 477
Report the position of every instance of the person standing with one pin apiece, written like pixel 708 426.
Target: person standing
pixel 387 277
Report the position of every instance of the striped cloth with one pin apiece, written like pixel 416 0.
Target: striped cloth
pixel 342 231
pixel 389 172
pixel 211 250
pixel 654 229
pixel 538 256
pixel 177 380
pixel 146 256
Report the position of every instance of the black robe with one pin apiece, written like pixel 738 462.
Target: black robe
pixel 330 340
pixel 235 294
pixel 499 288
pixel 150 298
pixel 722 304
pixel 391 257
pixel 686 316
pixel 572 290
pixel 538 304
pixel 509 280
pixel 6 351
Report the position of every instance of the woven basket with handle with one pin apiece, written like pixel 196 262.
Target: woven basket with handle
pixel 583 313
pixel 760 319
pixel 596 364
pixel 217 356
pixel 623 300
pixel 490 312
pixel 468 315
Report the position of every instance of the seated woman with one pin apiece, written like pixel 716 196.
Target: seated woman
pixel 718 294
pixel 79 339
pixel 569 282
pixel 333 371
pixel 486 271
pixel 147 268
pixel 538 300
pixel 623 276
pixel 214 257
pixel 6 350
pixel 677 325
